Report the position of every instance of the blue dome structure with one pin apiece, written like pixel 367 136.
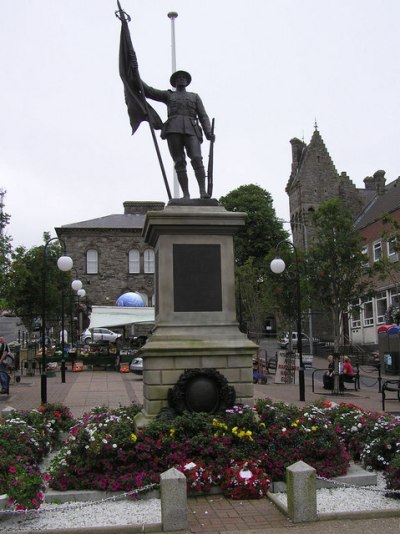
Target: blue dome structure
pixel 130 299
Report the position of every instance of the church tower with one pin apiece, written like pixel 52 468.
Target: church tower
pixel 314 180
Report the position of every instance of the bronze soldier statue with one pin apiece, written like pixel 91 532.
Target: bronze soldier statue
pixel 182 129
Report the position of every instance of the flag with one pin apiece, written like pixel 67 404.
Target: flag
pixel 138 109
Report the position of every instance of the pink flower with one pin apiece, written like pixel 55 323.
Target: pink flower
pixel 13 469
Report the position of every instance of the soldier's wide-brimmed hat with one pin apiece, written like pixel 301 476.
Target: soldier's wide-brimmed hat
pixel 177 74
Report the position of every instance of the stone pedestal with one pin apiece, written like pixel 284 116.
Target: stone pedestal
pixel 195 315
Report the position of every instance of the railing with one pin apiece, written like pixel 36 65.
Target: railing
pixel 362 376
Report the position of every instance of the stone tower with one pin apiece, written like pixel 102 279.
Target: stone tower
pixel 314 180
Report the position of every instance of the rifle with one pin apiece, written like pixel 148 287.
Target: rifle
pixel 211 162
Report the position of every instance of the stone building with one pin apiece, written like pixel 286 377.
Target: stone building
pixel 110 255
pixel 314 180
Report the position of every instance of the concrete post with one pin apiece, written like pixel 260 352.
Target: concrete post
pixel 301 492
pixel 173 500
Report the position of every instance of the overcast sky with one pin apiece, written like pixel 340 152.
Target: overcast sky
pixel 265 69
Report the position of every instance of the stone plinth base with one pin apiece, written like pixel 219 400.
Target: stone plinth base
pixel 172 350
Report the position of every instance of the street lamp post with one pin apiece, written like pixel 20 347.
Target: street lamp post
pixel 277 267
pixel 76 285
pixel 64 263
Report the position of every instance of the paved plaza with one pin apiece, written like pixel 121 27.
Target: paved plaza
pixel 211 514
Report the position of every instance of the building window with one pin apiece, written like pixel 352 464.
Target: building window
pixel 381 307
pixel 364 252
pixel 394 297
pixel 392 249
pixel 92 261
pixel 377 250
pixel 148 260
pixel 356 318
pixel 368 313
pixel 134 261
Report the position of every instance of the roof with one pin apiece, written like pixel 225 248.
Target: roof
pixel 109 316
pixel 380 205
pixel 120 220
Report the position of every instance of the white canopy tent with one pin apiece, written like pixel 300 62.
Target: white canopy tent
pixel 111 316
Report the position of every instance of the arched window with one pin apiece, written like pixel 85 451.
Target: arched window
pixel 134 261
pixel 92 261
pixel 148 257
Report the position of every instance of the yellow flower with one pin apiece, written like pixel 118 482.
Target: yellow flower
pixel 314 428
pixel 171 432
pixel 234 430
pixel 133 437
pixel 262 424
pixel 249 432
pixel 294 425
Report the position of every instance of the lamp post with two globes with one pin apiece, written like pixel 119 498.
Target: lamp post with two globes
pixel 64 263
pixel 76 285
pixel 277 267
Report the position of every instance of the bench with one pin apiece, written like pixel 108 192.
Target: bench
pixel 354 380
pixel 390 385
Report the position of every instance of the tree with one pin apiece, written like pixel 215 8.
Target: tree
pixel 5 255
pixel 262 230
pixel 22 289
pixel 336 266
pixel 261 234
pixel 282 288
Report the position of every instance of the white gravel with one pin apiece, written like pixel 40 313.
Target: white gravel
pixel 78 515
pixel 341 499
pixel 148 511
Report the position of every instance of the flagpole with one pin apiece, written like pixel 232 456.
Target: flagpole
pixel 173 15
pixel 125 18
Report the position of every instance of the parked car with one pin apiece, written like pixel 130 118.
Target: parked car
pixel 99 334
pixel 284 341
pixel 136 365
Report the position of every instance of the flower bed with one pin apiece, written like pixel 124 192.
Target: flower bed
pixel 242 450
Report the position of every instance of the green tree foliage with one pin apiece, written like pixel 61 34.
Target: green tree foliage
pixel 23 283
pixel 260 234
pixel 282 288
pixel 5 255
pixel 262 230
pixel 336 266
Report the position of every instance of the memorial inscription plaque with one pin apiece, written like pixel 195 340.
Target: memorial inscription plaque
pixel 197 278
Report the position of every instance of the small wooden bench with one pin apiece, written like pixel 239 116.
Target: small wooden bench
pixel 390 385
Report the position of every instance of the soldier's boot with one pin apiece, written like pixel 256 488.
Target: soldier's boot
pixel 201 180
pixel 183 182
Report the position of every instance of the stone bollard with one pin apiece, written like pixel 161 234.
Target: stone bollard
pixel 301 492
pixel 173 500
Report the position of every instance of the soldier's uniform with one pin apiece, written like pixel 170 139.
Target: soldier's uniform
pixel 183 131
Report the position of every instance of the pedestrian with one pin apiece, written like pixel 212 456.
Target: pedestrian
pixel 182 129
pixel 348 372
pixel 328 378
pixel 4 353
